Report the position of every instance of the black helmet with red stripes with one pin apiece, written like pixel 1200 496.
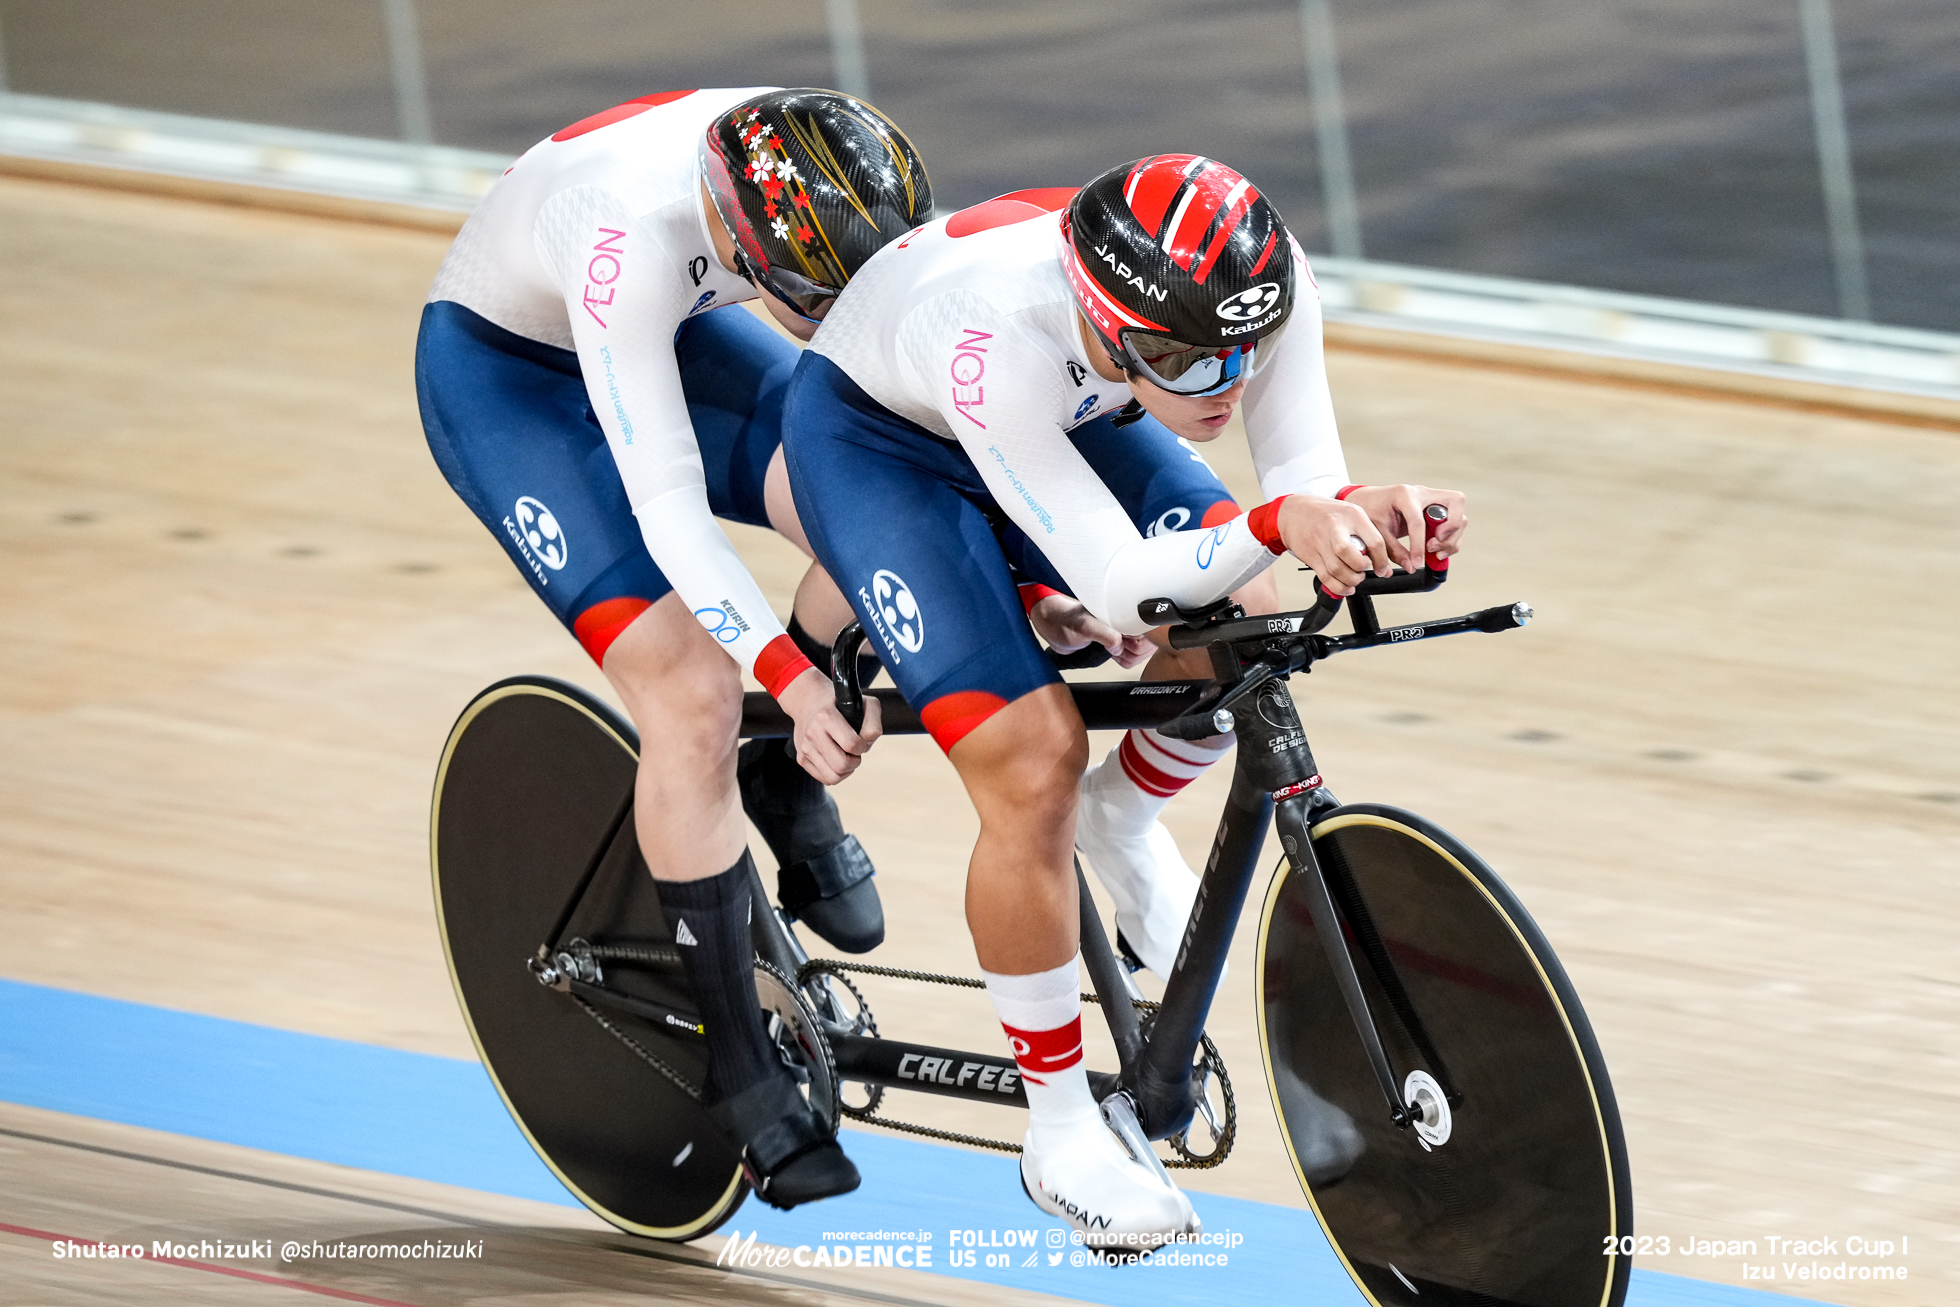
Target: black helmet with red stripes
pixel 1183 269
pixel 811 183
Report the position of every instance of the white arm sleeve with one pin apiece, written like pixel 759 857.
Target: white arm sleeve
pixel 1289 414
pixel 1000 387
pixel 625 306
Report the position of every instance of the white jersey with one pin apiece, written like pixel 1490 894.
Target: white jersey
pixel 596 241
pixel 974 337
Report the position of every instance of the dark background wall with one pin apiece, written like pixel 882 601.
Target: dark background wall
pixel 1661 146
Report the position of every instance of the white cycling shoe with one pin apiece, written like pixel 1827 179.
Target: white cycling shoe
pixel 1086 1176
pixel 1146 876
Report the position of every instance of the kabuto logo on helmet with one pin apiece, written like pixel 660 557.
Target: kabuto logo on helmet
pixel 1250 304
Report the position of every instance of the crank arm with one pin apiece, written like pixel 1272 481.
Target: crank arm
pixel 671 1021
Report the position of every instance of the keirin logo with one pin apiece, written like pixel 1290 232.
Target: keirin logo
pixel 541 531
pixel 899 609
pixel 1208 545
pixel 1249 304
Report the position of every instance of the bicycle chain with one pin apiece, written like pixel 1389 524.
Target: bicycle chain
pixel 870 1023
pixel 646 1055
pixel 1187 1160
pixel 869 1112
pixel 667 957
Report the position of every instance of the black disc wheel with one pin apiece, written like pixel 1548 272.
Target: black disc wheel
pixel 532 800
pixel 1513 1185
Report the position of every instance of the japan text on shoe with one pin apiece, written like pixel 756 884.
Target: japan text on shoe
pixel 1085 1176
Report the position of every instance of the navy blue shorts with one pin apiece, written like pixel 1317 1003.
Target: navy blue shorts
pixel 511 427
pixel 901 520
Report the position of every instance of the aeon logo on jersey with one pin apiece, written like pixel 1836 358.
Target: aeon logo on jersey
pixel 968 366
pixel 896 604
pixel 538 536
pixel 602 269
pixel 1249 304
pixel 1174 520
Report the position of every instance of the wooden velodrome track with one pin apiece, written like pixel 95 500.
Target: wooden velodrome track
pixel 241 609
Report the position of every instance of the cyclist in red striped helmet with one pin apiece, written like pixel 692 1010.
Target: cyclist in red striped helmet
pixel 1014 398
pixel 1183 270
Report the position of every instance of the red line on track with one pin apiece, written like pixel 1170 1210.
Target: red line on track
pixel 254 1276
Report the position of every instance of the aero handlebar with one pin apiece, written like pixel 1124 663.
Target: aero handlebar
pixel 1246 653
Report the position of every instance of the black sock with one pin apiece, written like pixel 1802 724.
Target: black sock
pixel 710 920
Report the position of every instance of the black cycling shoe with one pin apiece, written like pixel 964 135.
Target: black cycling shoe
pixel 833 893
pixel 825 876
pixel 788 1156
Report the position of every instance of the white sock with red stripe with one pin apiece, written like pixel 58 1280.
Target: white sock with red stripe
pixel 1134 856
pixel 1042 1014
pixel 1071 1165
pixel 1143 773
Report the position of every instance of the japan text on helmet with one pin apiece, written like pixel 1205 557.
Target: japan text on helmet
pixel 810 184
pixel 1183 269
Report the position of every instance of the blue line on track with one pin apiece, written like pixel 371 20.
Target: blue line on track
pixel 438 1118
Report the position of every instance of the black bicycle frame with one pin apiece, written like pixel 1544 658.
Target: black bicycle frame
pixel 1274 779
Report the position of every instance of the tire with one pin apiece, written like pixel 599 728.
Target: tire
pixel 535 782
pixel 1516 1205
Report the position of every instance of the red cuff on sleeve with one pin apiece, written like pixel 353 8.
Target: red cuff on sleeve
pixel 1033 592
pixel 1346 491
pixel 1263 522
pixel 779 663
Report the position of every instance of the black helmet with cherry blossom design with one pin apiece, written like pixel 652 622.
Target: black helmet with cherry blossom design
pixel 811 183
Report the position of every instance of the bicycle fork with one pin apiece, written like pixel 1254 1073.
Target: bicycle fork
pixel 1274 778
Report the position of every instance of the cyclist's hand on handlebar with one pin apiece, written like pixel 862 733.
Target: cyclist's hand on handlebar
pixel 826 745
pixel 1335 538
pixel 1396 512
pixel 1066 625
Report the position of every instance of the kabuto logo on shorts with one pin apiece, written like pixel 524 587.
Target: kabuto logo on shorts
pixel 900 610
pixel 540 530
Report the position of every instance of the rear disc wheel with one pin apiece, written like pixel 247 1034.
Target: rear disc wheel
pixel 534 788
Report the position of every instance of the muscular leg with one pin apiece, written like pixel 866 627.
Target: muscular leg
pixel 684 693
pixel 1020 767
pixel 685 696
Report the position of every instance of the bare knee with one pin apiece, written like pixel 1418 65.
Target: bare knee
pixel 681 689
pixel 1023 764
